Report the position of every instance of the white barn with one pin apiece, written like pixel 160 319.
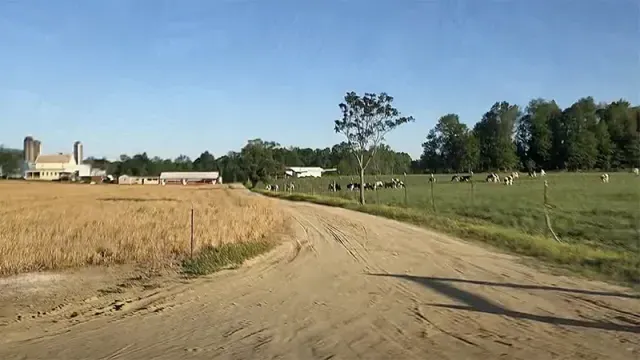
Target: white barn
pixel 300 171
pixel 201 177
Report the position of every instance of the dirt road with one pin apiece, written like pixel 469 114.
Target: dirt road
pixel 350 286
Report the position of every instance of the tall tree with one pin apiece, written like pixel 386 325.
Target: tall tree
pixel 205 162
pixel 365 122
pixel 10 161
pixel 257 161
pixel 582 145
pixel 495 135
pixel 450 144
pixel 534 137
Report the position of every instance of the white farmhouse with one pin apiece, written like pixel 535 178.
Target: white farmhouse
pixel 299 172
pixel 51 167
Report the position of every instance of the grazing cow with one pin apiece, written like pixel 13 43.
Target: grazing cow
pixel 369 186
pixel 604 178
pixel 334 186
pixel 273 187
pixel 397 183
pixel 378 184
pixel 290 187
pixel 353 186
pixel 455 178
pixel 493 177
pixel 636 171
pixel 533 173
pixel 508 180
pixel 515 175
pixel 542 172
pixel 466 177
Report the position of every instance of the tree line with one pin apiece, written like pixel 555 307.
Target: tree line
pixel 586 135
pixel 258 160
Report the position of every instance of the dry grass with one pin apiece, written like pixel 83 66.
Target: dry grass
pixel 54 226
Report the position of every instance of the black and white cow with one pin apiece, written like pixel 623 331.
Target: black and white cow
pixel 508 180
pixel 353 186
pixel 493 177
pixel 334 186
pixel 397 183
pixel 272 187
pixel 604 178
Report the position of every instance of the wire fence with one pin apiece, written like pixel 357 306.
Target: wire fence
pixel 568 207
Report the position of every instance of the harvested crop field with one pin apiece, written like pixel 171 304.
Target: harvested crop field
pixel 56 226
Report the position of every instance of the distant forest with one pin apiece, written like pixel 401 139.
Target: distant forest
pixel 586 135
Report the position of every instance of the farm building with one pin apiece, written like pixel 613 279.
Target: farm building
pixel 192 177
pixel 298 172
pixel 138 180
pixel 51 167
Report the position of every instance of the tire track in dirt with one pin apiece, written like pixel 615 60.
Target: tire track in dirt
pixel 348 285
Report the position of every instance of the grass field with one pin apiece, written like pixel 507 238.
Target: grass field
pixel 601 221
pixel 54 226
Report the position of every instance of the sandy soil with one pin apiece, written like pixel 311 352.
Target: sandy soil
pixel 346 286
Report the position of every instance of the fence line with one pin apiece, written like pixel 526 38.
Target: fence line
pixel 516 206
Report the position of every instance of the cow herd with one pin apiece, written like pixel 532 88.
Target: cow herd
pixel 333 186
pixel 395 183
pixel 493 177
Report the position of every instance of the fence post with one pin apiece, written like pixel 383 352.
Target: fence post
pixel 433 198
pixel 406 197
pixel 473 186
pixel 375 188
pixel 192 238
pixel 546 205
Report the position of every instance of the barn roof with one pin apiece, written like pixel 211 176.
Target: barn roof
pixel 53 159
pixel 303 168
pixel 189 175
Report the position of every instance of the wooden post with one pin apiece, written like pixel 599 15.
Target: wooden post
pixel 192 238
pixel 472 191
pixel 406 196
pixel 547 218
pixel 433 199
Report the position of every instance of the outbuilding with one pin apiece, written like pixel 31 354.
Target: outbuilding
pixel 299 171
pixel 191 177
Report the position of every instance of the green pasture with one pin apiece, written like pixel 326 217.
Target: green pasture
pixel 581 208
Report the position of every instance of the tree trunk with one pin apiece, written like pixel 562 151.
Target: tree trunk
pixel 362 186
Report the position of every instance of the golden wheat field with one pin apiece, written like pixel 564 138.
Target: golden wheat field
pixel 46 226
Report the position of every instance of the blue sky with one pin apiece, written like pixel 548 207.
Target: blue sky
pixel 183 76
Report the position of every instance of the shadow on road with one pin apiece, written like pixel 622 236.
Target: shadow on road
pixel 478 303
pixel 526 287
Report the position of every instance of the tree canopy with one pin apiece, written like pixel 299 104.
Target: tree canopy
pixel 365 121
pixel 583 136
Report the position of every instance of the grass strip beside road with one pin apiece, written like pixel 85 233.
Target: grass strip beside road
pixel 225 256
pixel 607 264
